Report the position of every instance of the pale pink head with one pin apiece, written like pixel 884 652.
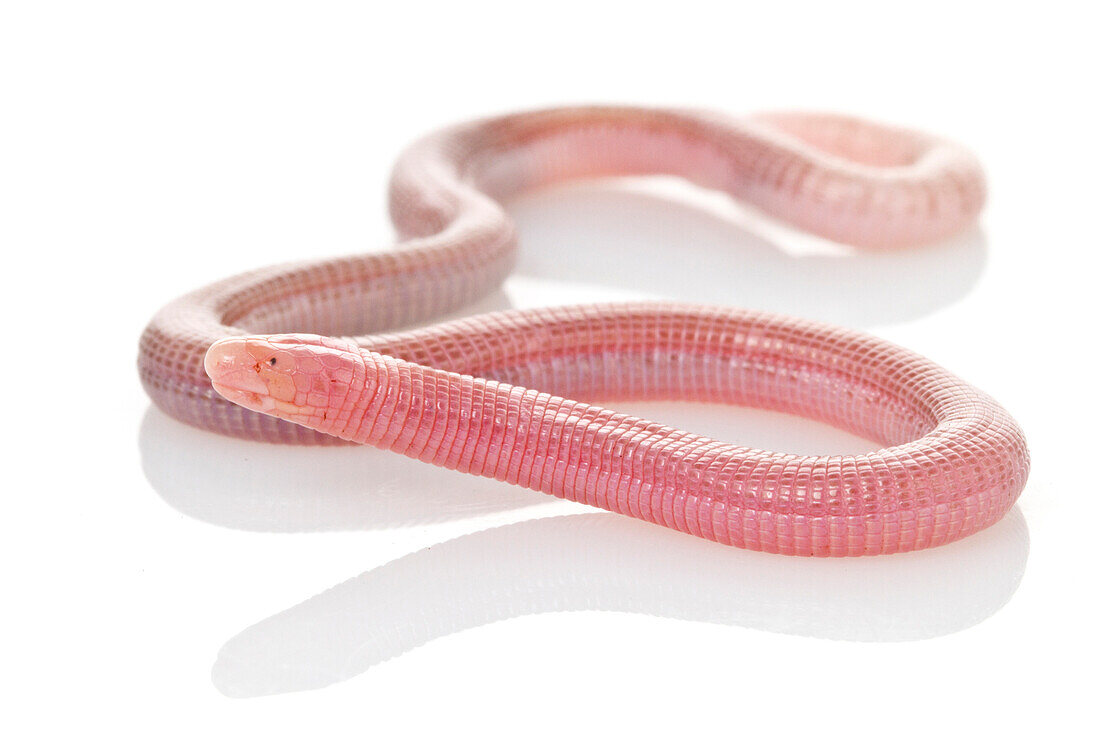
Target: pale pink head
pixel 304 379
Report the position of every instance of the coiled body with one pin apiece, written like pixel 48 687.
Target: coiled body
pixel 479 395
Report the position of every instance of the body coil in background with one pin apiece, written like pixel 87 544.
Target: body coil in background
pixel 450 394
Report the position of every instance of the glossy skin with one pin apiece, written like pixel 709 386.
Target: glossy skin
pixel 444 394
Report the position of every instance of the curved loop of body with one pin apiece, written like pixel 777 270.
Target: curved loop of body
pixel 448 394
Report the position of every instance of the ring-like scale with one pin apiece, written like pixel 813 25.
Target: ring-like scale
pixel 956 462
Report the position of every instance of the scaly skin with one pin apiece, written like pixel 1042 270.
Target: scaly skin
pixel 444 393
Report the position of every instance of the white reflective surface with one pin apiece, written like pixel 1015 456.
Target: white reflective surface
pixel 161 578
pixel 607 563
pixel 590 561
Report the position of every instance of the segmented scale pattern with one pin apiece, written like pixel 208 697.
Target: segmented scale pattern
pixel 481 394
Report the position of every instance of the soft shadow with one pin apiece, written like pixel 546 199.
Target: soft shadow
pixel 604 562
pixel 664 238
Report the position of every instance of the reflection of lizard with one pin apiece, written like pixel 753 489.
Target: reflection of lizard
pixel 602 562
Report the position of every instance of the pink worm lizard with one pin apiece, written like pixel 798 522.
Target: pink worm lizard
pixel 448 394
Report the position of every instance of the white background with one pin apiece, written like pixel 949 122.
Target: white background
pixel 153 573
